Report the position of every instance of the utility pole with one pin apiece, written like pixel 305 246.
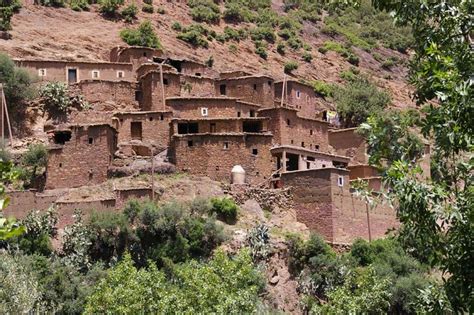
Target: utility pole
pixel 283 87
pixel 162 85
pixel 152 173
pixel 4 112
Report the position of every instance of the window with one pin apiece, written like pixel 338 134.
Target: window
pixel 252 113
pixel 291 141
pixel 95 74
pixel 60 164
pixel 222 89
pixel 308 165
pixel 288 122
pixel 91 140
pixel 61 137
pixel 254 87
pixel 298 94
pixel 340 181
pixel 316 147
pixel 144 54
pixel 238 114
pixel 204 111
pixel 198 74
pixel 165 82
pixel 254 152
pixel 226 145
pixel 269 83
pixel 311 132
pixel 324 165
pixel 136 130
pixel 42 72
pixel 190 143
pixel 213 128
pixel 162 117
pixel 302 144
pixel 120 74
pixel 138 96
pixel 150 118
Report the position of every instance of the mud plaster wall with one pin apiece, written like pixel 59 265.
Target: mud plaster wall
pixel 197 86
pixel 152 96
pixel 209 157
pixel 57 70
pixel 196 69
pixel 254 90
pixel 219 126
pixel 155 127
pixel 362 171
pixel 331 210
pixel 147 67
pixel 119 93
pixel 216 108
pixel 78 163
pixel 307 101
pixel 348 143
pixel 298 131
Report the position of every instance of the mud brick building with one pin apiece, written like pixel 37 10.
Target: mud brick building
pixel 145 102
pixel 79 155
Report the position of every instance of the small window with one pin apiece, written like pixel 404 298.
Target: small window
pixel 204 111
pixel 252 113
pixel 308 165
pixel 316 147
pixel 222 89
pixel 138 96
pixel 213 128
pixel 302 144
pixel 324 165
pixel 60 164
pixel 95 74
pixel 165 82
pixel 311 132
pixel 91 140
pixel 254 87
pixel 269 83
pixel 226 145
pixel 298 94
pixel 291 141
pixel 254 152
pixel 190 143
pixel 288 122
pixel 120 74
pixel 238 114
pixel 144 54
pixel 42 72
pixel 150 119
pixel 340 181
pixel 198 74
pixel 162 117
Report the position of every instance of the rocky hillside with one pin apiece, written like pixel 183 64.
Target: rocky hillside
pixel 327 40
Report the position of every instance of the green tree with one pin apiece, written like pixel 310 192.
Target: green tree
pixel 440 214
pixel 7 9
pixel 143 36
pixel 36 157
pixel 110 7
pixel 223 285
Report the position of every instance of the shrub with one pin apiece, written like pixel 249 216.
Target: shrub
pixel 307 57
pixel 353 59
pixel 290 66
pixel 195 35
pixel 36 157
pixel 143 36
pixel 176 26
pixel 147 8
pixel 79 5
pixel 262 52
pixel 263 33
pixel 258 239
pixel 210 61
pixel 234 34
pixel 357 100
pixel 294 43
pixel 55 97
pixel 149 2
pixel 130 13
pixel 204 11
pixel 232 48
pixel 225 209
pixel 7 9
pixel 323 50
pixel 322 88
pixel 281 48
pixel 52 3
pixel 160 10
pixel 110 7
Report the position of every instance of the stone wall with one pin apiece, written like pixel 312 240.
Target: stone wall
pixel 362 171
pixel 290 129
pixel 253 89
pixel 58 70
pixel 83 160
pixel 220 125
pixel 215 155
pixel 348 143
pixel 120 93
pixel 331 210
pixel 301 97
pixel 197 86
pixel 197 69
pixel 152 96
pixel 154 127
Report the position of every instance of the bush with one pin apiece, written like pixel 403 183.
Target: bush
pixel 262 52
pixel 176 26
pixel 222 285
pixel 210 61
pixel 130 13
pixel 52 3
pixel 204 11
pixel 195 35
pixel 7 9
pixel 263 33
pixel 232 48
pixel 149 2
pixel 357 100
pixel 225 209
pixel 143 36
pixel 79 5
pixel 36 157
pixel 307 57
pixel 55 97
pixel 110 7
pixel 281 48
pixel 290 66
pixel 147 8
pixel 234 34
pixel 160 10
pixel 323 50
pixel 322 88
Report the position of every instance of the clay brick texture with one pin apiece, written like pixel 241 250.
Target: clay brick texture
pixel 215 155
pixel 83 160
pixel 66 71
pixel 301 97
pixel 152 91
pixel 253 89
pixel 348 143
pixel 290 129
pixel 331 210
pixel 216 107
pixel 148 127
pixel 120 93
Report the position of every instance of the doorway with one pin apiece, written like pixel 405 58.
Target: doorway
pixel 136 130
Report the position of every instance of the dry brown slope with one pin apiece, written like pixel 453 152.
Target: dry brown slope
pixel 60 33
